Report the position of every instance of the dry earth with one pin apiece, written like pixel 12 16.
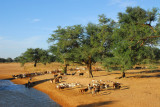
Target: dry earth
pixel 140 88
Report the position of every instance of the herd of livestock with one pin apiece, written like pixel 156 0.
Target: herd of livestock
pixel 94 86
pixel 35 74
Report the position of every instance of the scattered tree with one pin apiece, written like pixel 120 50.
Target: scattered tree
pixel 34 55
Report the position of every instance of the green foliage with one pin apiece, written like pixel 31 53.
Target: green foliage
pixel 152 67
pixel 123 44
pixel 3 60
pixel 83 44
pixel 35 55
pixel 134 39
pixel 65 41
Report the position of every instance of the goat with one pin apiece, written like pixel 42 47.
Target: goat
pixel 74 73
pixel 60 87
pixel 60 77
pixel 116 85
pixel 83 90
pixel 56 80
pixel 81 74
pixel 15 76
pixel 102 86
pixel 106 85
pixel 89 87
pixel 95 89
pixel 55 75
pixel 51 80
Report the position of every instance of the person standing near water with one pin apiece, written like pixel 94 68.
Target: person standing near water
pixel 30 78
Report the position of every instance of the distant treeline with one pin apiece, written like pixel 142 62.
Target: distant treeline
pixel 3 60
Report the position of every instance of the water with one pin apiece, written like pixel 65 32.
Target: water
pixel 13 95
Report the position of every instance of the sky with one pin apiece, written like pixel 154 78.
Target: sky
pixel 29 23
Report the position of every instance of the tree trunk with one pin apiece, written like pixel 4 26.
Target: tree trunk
pixel 108 69
pixel 65 67
pixel 89 66
pixel 123 74
pixel 35 63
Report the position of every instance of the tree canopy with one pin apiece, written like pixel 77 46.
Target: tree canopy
pixel 124 43
pixel 35 55
pixel 134 36
pixel 83 44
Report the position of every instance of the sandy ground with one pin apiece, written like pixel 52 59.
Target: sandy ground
pixel 140 88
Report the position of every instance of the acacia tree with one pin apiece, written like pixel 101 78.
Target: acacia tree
pixel 65 41
pixel 96 42
pixel 83 44
pixel 134 34
pixel 36 55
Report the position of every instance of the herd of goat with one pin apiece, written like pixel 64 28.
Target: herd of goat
pixel 94 87
pixel 35 74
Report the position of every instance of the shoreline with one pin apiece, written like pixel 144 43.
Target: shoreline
pixel 139 89
pixel 53 94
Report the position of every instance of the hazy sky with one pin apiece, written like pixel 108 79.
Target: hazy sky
pixel 29 23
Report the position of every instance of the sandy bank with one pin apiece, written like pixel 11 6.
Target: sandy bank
pixel 139 89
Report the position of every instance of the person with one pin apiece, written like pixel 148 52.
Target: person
pixel 30 78
pixel 29 83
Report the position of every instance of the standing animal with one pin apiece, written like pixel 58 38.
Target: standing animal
pixel 51 80
pixel 56 80
pixel 102 86
pixel 74 73
pixel 81 74
pixel 83 90
pixel 116 85
pixel 55 75
pixel 95 89
pixel 106 86
pixel 60 87
pixel 60 77
pixel 89 87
